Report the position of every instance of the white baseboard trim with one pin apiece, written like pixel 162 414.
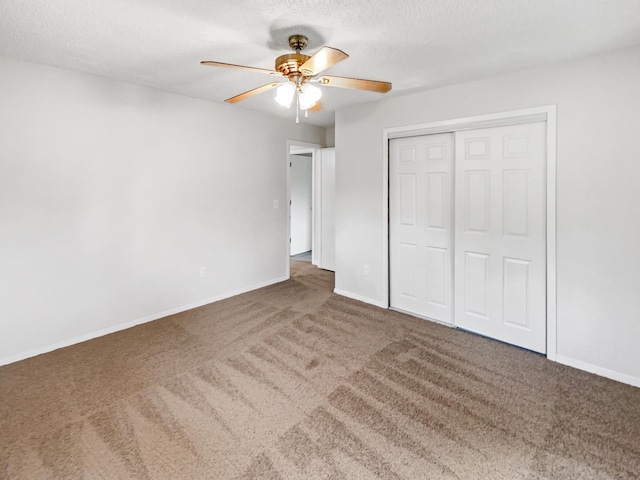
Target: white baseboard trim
pixel 133 323
pixel 421 317
pixel 603 372
pixel 355 296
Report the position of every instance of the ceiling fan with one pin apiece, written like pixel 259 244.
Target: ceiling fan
pixel 302 72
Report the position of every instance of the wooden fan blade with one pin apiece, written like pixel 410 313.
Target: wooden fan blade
pixel 358 83
pixel 242 67
pixel 316 107
pixel 324 58
pixel 251 93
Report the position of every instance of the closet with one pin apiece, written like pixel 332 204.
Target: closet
pixel 467 230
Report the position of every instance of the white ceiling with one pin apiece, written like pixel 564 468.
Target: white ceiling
pixel 415 44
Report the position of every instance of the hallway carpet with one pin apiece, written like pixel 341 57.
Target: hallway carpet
pixel 294 382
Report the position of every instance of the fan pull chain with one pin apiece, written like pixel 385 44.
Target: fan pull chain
pixel 298 107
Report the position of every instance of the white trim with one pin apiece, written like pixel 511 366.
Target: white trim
pixel 385 218
pixel 133 323
pixel 313 148
pixel 603 372
pixel 298 150
pixel 527 115
pixel 316 251
pixel 514 117
pixel 314 247
pixel 422 317
pixel 552 325
pixel 360 298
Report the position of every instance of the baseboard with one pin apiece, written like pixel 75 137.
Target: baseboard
pixel 421 317
pixel 603 372
pixel 133 323
pixel 361 298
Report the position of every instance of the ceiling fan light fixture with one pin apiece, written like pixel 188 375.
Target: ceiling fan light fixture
pixel 298 70
pixel 309 96
pixel 285 93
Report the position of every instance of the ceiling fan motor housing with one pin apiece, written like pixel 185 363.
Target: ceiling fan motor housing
pixel 289 64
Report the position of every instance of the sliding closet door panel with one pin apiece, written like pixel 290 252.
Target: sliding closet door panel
pixel 500 251
pixel 421 225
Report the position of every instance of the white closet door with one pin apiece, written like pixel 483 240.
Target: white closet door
pixel 500 253
pixel 421 225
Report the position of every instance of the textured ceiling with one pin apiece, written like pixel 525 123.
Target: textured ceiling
pixel 413 44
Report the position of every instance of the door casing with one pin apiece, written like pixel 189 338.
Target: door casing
pixel 315 150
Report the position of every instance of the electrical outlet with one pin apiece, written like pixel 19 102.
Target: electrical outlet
pixel 203 272
pixel 276 204
pixel 365 270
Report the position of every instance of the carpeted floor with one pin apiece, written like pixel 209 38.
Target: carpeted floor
pixel 294 382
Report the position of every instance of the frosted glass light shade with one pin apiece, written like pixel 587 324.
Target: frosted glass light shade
pixel 284 94
pixel 309 96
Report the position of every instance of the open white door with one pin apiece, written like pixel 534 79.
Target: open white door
pixel 500 253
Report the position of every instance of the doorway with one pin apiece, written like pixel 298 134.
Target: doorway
pixel 302 202
pixel 471 232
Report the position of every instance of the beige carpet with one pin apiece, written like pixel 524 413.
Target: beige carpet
pixel 294 382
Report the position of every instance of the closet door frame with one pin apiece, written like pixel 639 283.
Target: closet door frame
pixel 537 114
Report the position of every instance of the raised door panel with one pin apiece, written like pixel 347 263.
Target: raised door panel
pixel 517 294
pixel 436 186
pixel 516 202
pixel 476 275
pixel 438 275
pixel 477 213
pixel 407 198
pixel 407 271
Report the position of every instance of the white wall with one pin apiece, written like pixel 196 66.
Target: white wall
pixel 112 196
pixel 598 198
pixel 301 203
pixel 330 140
pixel 328 209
